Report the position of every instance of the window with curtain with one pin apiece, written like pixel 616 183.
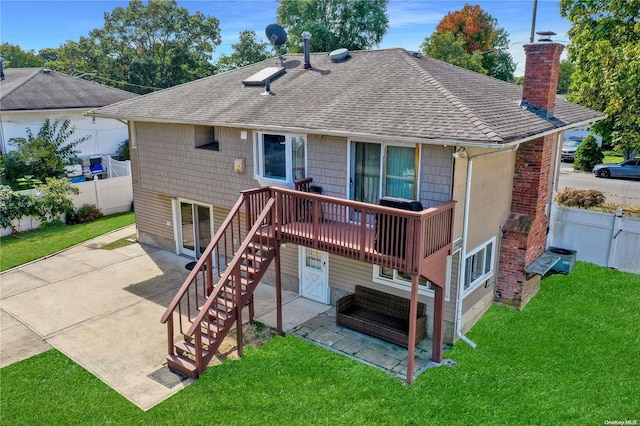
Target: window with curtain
pixel 400 177
pixel 399 174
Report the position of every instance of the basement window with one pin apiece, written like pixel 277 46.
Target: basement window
pixel 205 138
pixel 479 266
pixel 401 280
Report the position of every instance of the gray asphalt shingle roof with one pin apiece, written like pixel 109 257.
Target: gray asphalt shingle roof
pixel 26 89
pixel 388 92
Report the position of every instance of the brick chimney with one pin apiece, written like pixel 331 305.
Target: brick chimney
pixel 524 233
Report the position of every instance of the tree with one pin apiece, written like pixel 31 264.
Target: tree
pixel 588 154
pixel 45 154
pixel 564 79
pixel 479 34
pixel 248 50
pixel 15 57
pixel 149 46
pixel 605 51
pixel 334 24
pixel 445 47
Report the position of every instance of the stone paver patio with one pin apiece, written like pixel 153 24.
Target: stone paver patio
pixel 377 353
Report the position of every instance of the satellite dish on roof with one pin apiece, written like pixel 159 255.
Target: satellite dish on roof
pixel 276 34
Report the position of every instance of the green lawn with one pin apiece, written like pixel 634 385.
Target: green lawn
pixel 30 245
pixel 571 357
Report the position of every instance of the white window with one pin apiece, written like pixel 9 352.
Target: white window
pixel 401 280
pixel 479 266
pixel 280 158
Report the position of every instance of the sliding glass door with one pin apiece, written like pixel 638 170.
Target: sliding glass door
pixel 370 178
pixel 195 221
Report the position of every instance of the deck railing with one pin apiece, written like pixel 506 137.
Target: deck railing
pixel 385 236
pixel 192 295
pixel 379 235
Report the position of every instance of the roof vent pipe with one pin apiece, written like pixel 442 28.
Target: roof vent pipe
pixel 306 36
pixel 1 68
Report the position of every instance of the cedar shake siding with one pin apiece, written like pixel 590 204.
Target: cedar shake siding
pixel 172 165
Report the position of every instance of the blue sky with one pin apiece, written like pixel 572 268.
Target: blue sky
pixel 49 23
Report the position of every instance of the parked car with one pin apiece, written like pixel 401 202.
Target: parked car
pixel 626 169
pixel 569 147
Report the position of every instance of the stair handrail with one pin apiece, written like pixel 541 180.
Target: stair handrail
pixel 231 267
pixel 205 255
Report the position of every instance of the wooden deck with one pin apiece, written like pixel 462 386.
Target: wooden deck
pixel 407 241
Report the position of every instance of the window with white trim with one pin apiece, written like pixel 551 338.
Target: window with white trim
pixel 280 157
pixel 479 265
pixel 401 280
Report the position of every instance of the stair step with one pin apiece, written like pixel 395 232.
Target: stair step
pixel 259 246
pixel 249 269
pixel 207 340
pixel 182 365
pixel 209 327
pixel 227 304
pixel 255 257
pixel 220 314
pixel 189 348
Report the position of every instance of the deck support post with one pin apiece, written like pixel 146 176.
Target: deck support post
pixel 238 297
pixel 278 291
pixel 438 324
pixel 413 314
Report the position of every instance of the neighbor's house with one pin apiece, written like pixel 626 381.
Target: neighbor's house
pixel 28 96
pixel 478 153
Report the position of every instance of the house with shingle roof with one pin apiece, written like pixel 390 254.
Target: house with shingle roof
pixel 385 170
pixel 28 96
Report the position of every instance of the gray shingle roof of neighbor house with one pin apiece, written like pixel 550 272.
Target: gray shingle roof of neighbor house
pixel 26 89
pixel 389 92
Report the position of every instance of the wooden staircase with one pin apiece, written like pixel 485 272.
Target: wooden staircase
pixel 205 313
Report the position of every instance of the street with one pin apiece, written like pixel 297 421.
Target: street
pixel 623 191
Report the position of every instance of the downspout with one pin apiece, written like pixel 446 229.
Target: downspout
pixel 465 232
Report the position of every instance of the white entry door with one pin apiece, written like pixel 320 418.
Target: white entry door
pixel 314 275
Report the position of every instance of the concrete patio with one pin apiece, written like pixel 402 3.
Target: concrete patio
pixel 102 309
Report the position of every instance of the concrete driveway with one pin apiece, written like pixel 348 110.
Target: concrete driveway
pixel 102 309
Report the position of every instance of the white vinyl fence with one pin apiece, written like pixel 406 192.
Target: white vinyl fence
pixel 602 238
pixel 110 195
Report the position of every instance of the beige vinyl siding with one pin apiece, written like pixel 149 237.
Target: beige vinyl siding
pixel 491 186
pixel 153 213
pixel 490 204
pixel 476 303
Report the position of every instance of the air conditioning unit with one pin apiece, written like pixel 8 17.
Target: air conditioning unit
pixel 566 262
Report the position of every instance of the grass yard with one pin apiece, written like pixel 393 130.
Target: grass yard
pixel 572 356
pixel 30 245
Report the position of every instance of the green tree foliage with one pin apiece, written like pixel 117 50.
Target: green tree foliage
pixel 605 50
pixel 334 24
pixel 43 155
pixel 50 200
pixel 587 155
pixel 478 34
pixel 248 50
pixel 447 48
pixel 147 45
pixel 13 207
pixel 15 57
pixel 54 199
pixel 564 79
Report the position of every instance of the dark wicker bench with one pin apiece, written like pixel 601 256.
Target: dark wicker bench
pixel 381 315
